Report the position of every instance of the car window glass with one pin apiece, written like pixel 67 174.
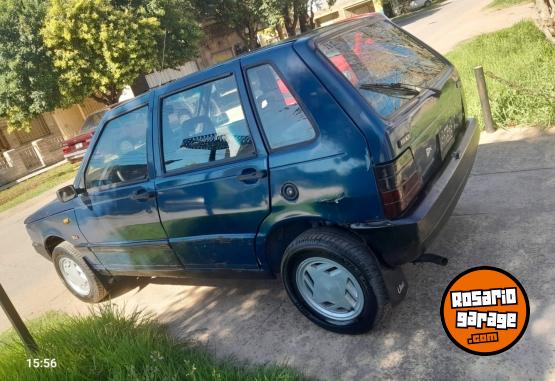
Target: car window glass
pixel 383 55
pixel 283 120
pixel 92 121
pixel 120 154
pixel 203 125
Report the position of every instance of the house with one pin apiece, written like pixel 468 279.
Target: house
pixel 343 9
pixel 219 44
pixel 22 152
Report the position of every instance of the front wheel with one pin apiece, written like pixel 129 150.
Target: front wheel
pixel 77 275
pixel 427 3
pixel 334 280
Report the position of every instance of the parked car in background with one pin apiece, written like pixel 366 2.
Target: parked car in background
pixel 75 148
pixel 328 160
pixel 417 4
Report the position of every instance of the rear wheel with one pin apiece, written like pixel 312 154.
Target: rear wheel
pixel 77 275
pixel 334 280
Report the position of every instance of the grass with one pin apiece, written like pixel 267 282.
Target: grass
pixel 36 185
pixel 111 345
pixel 522 55
pixel 506 3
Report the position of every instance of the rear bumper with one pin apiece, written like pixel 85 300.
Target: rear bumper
pixel 405 239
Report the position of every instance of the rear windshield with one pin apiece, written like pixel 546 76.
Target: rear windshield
pixel 382 54
pixel 92 121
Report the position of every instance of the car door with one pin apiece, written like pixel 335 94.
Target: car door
pixel 212 187
pixel 118 213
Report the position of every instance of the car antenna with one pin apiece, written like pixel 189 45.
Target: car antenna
pixel 163 56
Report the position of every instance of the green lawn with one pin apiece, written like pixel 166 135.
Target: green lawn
pixel 111 345
pixel 506 3
pixel 522 55
pixel 36 185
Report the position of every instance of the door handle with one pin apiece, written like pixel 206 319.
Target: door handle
pixel 142 194
pixel 251 175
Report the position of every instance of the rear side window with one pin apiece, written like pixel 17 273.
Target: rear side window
pixel 203 125
pixel 120 154
pixel 283 121
pixel 384 63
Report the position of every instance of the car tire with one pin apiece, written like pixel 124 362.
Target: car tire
pixel 358 307
pixel 428 3
pixel 76 274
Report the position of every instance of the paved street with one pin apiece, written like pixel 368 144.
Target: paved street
pixel 505 218
pixel 445 25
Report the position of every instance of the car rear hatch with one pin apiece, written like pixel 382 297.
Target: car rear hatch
pixel 414 91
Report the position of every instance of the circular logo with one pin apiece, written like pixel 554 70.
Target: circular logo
pixel 485 310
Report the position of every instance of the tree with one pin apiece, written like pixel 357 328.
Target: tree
pixel 546 17
pixel 245 17
pixel 28 79
pixel 295 12
pixel 100 46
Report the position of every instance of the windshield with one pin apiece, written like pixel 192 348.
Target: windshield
pixel 92 121
pixel 378 55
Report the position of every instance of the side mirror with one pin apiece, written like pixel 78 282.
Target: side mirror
pixel 67 193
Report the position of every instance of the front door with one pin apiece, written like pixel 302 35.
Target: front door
pixel 118 214
pixel 213 189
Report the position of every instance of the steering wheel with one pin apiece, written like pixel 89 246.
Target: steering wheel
pixel 119 175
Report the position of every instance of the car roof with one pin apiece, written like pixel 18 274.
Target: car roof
pixel 303 38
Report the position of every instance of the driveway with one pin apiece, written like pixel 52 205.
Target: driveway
pixel 505 218
pixel 452 21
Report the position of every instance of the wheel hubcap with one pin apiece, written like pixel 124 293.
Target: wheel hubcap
pixel 74 276
pixel 329 288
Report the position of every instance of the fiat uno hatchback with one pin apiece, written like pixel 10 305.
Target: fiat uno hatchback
pixel 329 160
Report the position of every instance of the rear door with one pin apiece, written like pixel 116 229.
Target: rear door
pixel 213 180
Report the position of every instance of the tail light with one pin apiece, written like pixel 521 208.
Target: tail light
pixel 399 183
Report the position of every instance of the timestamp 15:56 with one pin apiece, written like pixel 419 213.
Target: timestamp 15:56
pixel 42 363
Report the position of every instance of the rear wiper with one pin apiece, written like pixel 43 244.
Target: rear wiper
pixel 397 89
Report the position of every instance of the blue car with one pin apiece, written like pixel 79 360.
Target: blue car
pixel 328 160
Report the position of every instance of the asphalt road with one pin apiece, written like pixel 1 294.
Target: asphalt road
pixel 505 218
pixel 444 25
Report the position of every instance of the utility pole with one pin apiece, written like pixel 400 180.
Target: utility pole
pixel 16 321
pixel 484 98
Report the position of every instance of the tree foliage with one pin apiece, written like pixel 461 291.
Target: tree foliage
pixel 244 17
pixel 293 13
pixel 546 17
pixel 28 80
pixel 100 46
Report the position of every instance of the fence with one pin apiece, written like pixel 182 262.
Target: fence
pixel 23 160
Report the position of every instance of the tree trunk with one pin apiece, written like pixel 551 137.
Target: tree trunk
pixel 546 18
pixel 300 9
pixel 311 14
pixel 290 23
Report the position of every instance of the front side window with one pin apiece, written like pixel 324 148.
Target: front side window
pixel 283 120
pixel 120 155
pixel 203 125
pixel 384 63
